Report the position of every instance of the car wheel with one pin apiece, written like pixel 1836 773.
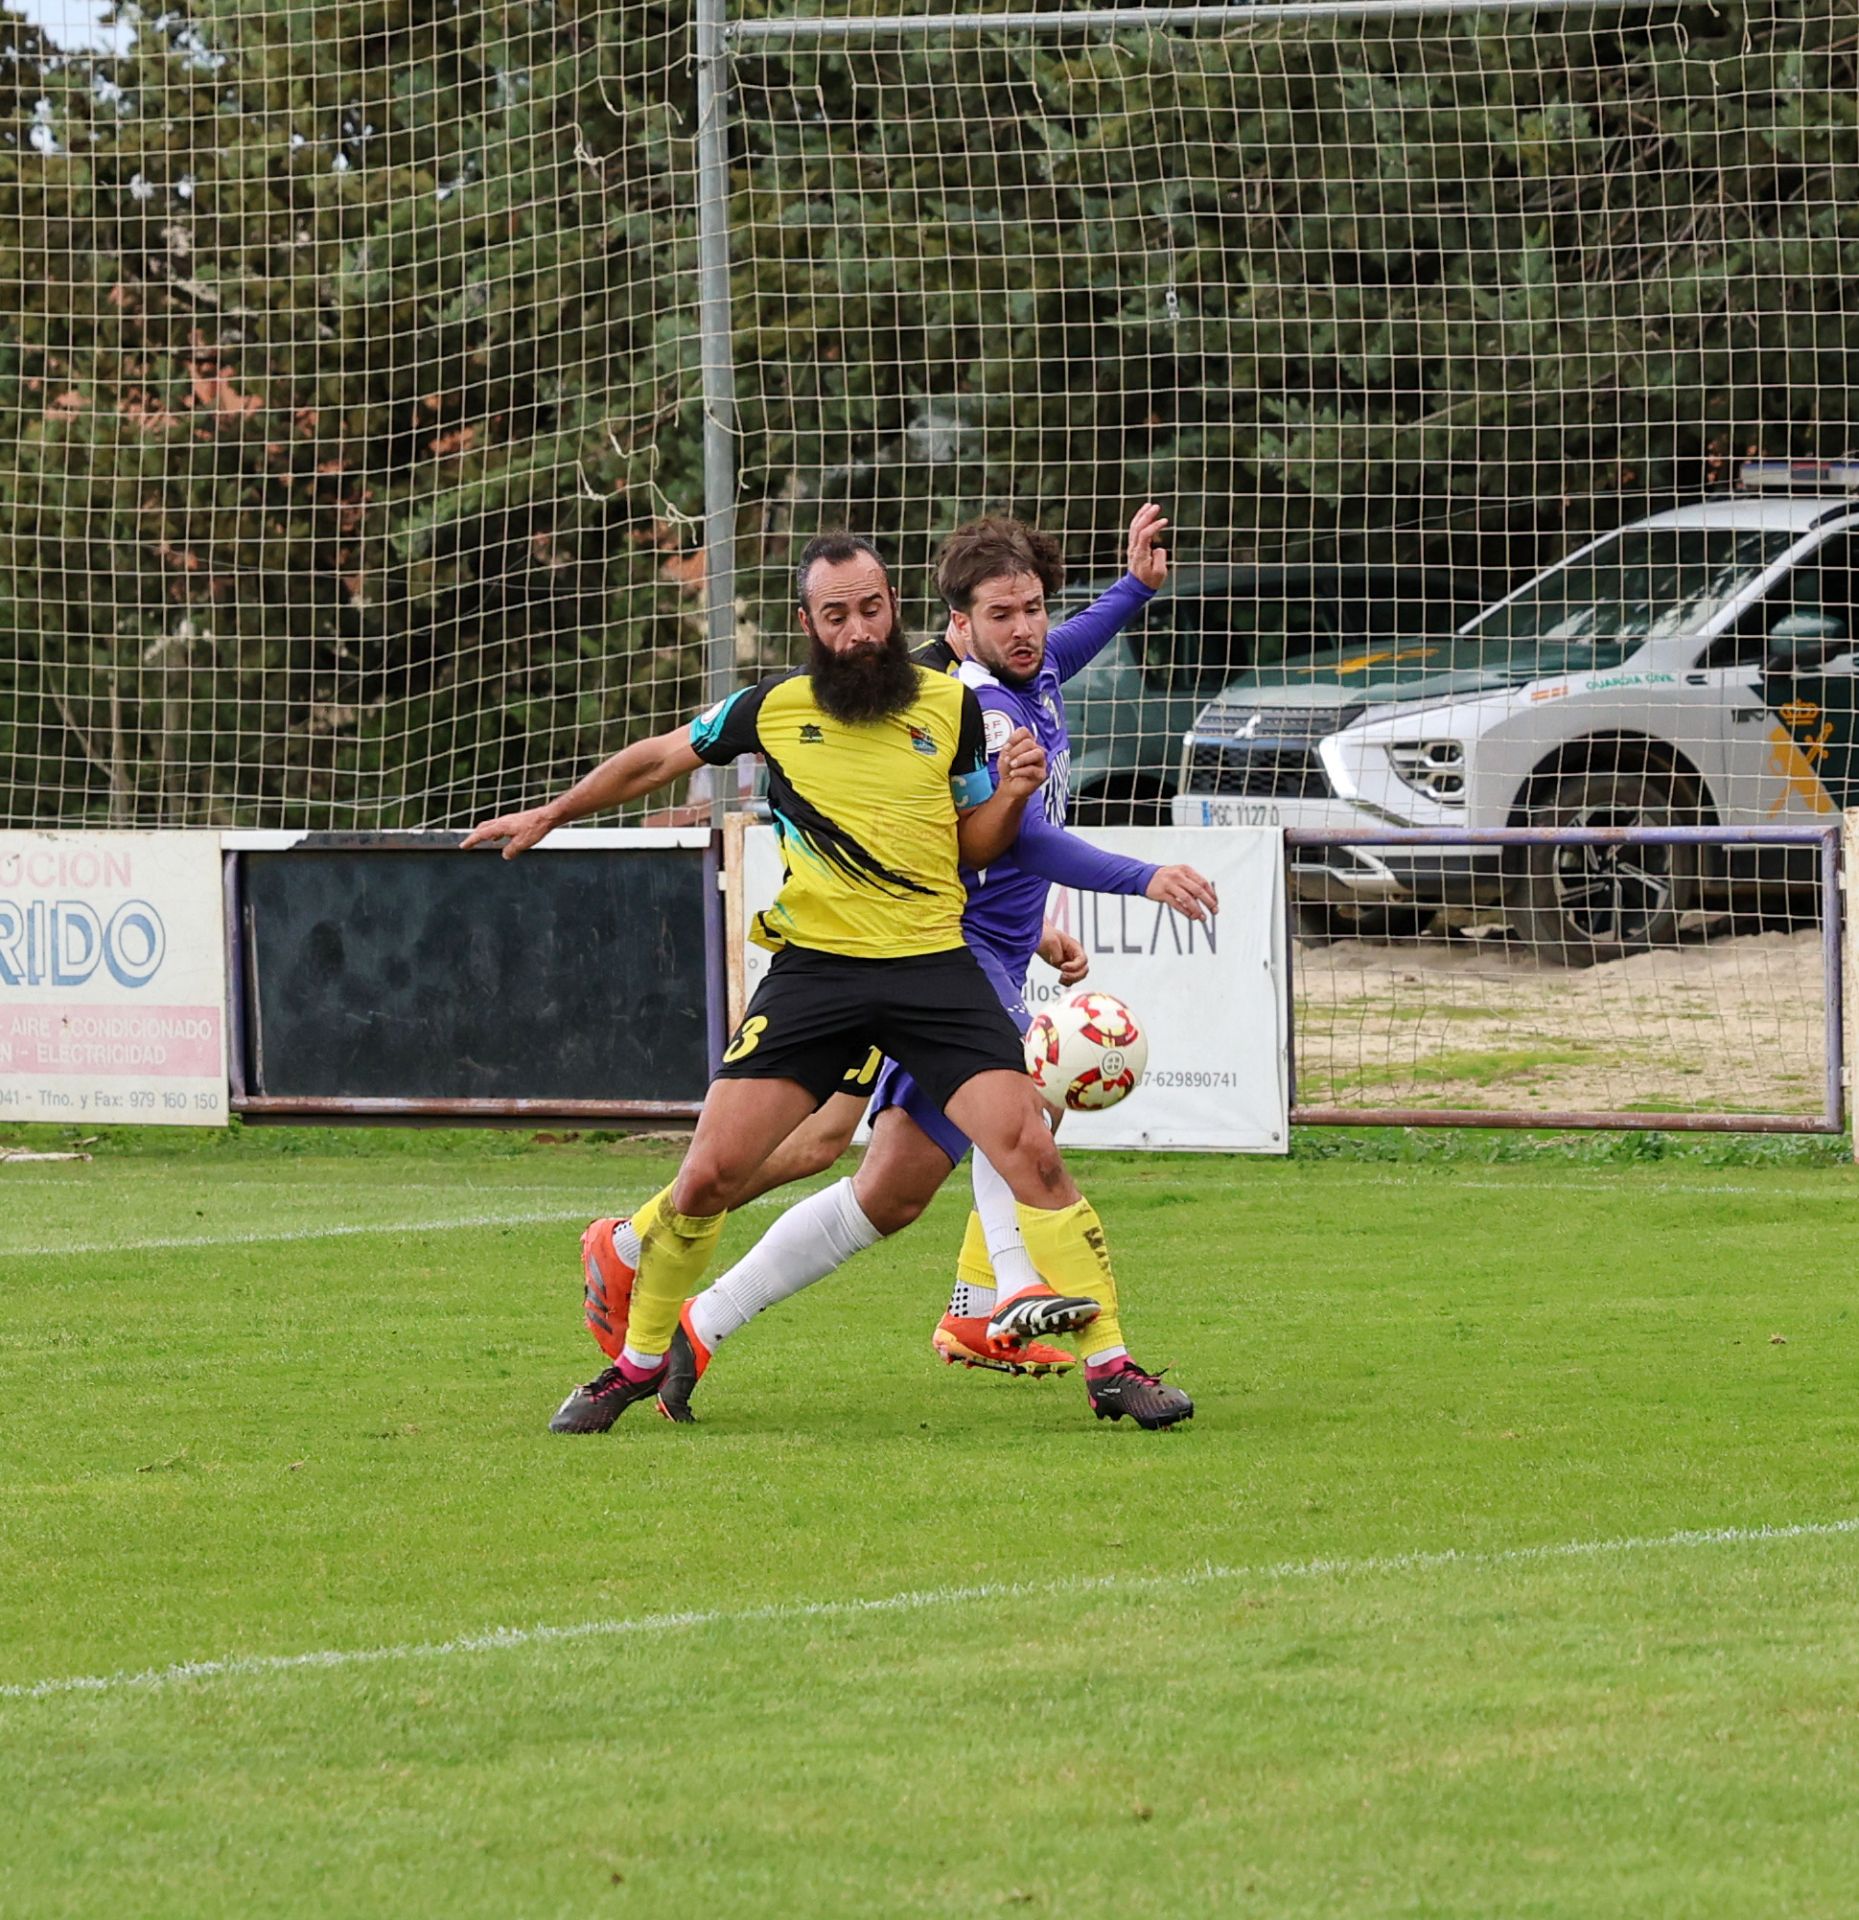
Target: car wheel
pixel 1322 926
pixel 1576 906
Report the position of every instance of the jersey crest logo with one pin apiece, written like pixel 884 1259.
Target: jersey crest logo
pixel 810 735
pixel 996 730
pixel 922 739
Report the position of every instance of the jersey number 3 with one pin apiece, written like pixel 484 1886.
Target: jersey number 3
pixel 748 1037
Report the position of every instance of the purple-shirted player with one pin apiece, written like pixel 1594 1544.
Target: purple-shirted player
pixel 996 574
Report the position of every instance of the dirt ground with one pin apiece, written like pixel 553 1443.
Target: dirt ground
pixel 1727 1024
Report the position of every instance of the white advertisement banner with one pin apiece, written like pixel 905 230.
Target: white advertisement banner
pixel 1211 997
pixel 112 978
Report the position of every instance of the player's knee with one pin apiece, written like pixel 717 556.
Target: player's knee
pixel 821 1152
pixel 1036 1154
pixel 889 1212
pixel 703 1186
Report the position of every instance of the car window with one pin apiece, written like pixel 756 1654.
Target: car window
pixel 1643 584
pixel 1405 613
pixel 1817 597
pixel 1154 641
pixel 1219 640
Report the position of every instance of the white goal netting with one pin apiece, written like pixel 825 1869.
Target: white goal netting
pixel 351 385
pixel 356 465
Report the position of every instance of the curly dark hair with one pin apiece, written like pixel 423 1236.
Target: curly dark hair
pixel 985 549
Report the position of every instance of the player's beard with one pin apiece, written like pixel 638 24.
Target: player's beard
pixel 1011 676
pixel 871 683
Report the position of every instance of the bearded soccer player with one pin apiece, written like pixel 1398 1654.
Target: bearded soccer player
pixel 778 1265
pixel 995 574
pixel 881 791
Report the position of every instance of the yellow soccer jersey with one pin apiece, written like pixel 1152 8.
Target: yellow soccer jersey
pixel 865 813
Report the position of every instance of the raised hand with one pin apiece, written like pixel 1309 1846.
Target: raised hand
pixel 1148 562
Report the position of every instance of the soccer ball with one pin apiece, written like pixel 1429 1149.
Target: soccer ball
pixel 1087 1053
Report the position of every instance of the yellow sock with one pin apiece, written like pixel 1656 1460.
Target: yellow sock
pixel 1068 1251
pixel 972 1263
pixel 974 1289
pixel 674 1250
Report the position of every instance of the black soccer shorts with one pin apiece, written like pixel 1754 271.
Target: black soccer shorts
pixel 817 1017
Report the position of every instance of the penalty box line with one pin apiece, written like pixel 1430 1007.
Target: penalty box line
pixel 782 1613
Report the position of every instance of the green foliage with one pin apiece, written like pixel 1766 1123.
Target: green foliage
pixel 1457 288
pixel 351 370
pixel 341 347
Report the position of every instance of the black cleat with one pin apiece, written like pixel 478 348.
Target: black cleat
pixel 684 1367
pixel 1037 1313
pixel 594 1407
pixel 1141 1395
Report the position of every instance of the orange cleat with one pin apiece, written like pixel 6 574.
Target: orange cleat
pixel 963 1342
pixel 608 1299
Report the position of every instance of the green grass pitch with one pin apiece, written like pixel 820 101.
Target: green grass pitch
pixel 1510 1568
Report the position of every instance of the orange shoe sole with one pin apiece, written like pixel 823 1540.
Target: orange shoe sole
pixel 1034 1360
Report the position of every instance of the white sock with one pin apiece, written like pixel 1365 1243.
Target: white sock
pixel 810 1240
pixel 626 1243
pixel 968 1301
pixel 1000 1226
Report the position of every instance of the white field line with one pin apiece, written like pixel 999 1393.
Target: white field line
pixel 327 1231
pixel 333 1231
pixel 1431 1182
pixel 782 1613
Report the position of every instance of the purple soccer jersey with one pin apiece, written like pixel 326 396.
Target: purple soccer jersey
pixel 1006 911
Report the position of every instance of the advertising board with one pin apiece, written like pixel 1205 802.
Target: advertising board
pixel 112 979
pixel 1210 997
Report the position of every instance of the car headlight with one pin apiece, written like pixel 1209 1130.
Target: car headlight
pixel 1433 767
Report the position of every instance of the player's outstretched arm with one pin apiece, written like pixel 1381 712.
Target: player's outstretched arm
pixel 641 768
pixel 985 832
pixel 1079 640
pixel 1184 889
pixel 1067 859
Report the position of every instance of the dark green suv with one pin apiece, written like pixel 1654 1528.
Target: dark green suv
pixel 1129 709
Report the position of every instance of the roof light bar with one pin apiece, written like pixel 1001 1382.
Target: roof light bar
pixel 1799 476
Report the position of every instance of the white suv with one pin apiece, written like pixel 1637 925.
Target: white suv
pixel 1694 668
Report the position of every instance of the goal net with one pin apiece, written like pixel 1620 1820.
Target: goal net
pixel 1494 366
pixel 349 475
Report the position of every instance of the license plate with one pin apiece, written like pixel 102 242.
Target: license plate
pixel 1208 812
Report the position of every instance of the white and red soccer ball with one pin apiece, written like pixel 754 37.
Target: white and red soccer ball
pixel 1087 1053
